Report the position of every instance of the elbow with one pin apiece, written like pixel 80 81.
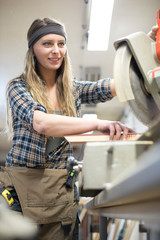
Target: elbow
pixel 38 122
pixel 38 127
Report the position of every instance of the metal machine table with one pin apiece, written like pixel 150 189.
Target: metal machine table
pixel 136 195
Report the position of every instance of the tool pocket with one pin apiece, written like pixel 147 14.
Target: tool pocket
pixel 47 188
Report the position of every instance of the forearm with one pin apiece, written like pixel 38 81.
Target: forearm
pixel 59 126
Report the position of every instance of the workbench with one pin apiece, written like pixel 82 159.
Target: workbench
pixel 134 195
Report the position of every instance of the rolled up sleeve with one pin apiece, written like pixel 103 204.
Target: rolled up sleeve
pixel 21 102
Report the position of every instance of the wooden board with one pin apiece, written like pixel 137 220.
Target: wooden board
pixel 83 138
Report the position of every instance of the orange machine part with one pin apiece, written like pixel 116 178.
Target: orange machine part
pixel 158 35
pixel 156 72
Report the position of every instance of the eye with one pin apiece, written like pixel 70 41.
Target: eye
pixel 61 44
pixel 47 44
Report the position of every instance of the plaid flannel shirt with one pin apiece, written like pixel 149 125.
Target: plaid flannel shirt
pixel 28 146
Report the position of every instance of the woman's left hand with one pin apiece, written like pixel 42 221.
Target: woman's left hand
pixel 153 32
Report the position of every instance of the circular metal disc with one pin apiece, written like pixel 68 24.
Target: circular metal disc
pixel 143 106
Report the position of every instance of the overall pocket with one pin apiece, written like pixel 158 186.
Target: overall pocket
pixel 43 195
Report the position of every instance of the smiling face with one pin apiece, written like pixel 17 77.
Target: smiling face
pixel 49 52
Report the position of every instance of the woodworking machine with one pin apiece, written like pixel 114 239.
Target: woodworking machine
pixel 137 81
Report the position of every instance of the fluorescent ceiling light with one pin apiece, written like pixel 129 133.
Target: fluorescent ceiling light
pixel 100 22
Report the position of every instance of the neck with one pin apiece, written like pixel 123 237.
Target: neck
pixel 48 76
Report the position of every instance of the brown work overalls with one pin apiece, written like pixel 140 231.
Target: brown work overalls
pixel 43 198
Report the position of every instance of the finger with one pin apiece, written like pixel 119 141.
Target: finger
pixel 130 130
pixel 154 28
pixel 118 131
pixel 112 131
pixel 125 133
pixel 152 33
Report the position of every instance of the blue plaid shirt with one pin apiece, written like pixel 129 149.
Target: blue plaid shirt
pixel 28 146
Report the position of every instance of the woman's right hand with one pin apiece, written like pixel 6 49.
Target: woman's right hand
pixel 114 128
pixel 59 126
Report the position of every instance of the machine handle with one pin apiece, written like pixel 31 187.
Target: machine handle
pixel 158 35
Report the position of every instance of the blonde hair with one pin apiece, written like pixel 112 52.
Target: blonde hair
pixel 63 79
pixel 36 85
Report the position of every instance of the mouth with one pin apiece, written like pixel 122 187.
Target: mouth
pixel 54 60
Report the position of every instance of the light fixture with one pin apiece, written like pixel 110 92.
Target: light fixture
pixel 100 22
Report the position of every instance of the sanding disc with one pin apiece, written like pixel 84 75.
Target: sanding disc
pixel 130 86
pixel 143 104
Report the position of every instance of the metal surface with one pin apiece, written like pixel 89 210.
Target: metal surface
pixel 148 211
pixel 134 62
pixel 134 196
pixel 140 182
pixel 153 133
pixel 143 105
pixel 103 228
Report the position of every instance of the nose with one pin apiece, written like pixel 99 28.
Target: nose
pixel 55 48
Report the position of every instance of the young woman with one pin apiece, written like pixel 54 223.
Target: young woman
pixel 45 105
